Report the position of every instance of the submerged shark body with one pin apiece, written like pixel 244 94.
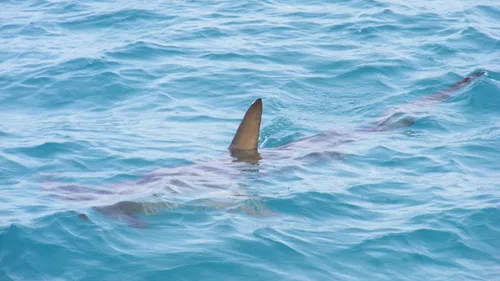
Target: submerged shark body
pixel 217 178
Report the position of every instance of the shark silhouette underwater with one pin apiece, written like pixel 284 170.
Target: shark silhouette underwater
pixel 217 177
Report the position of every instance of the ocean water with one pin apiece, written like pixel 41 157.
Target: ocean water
pixel 96 94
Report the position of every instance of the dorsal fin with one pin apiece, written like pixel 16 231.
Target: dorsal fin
pixel 247 135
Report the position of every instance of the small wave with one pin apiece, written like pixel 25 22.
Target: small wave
pixel 145 50
pixel 49 149
pixel 478 37
pixel 115 19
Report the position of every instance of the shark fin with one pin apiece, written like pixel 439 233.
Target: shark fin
pixel 247 135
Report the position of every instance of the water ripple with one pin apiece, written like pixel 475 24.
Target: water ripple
pixel 116 117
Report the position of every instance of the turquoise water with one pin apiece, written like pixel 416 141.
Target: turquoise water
pixel 96 94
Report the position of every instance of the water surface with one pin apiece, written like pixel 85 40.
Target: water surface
pixel 99 93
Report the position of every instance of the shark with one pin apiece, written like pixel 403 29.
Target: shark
pixel 173 187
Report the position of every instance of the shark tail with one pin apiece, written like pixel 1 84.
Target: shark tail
pixel 397 117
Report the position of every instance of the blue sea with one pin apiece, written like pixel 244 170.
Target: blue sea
pixel 97 95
